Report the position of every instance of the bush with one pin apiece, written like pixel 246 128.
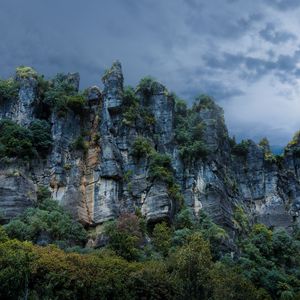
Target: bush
pixel 8 89
pixel 141 148
pixel 189 133
pixel 24 143
pixel 46 223
pixel 241 149
pixel 125 236
pixel 76 103
pixel 148 86
pixel 134 114
pixel 41 136
pixel 80 144
pixel 26 72
pixel 16 141
pixel 203 102
pixel 160 167
pixel 61 96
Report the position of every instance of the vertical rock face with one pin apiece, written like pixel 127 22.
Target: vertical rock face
pixel 104 178
pixel 17 192
pixel 27 97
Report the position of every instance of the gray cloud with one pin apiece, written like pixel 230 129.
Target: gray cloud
pixel 283 4
pixel 237 51
pixel 270 34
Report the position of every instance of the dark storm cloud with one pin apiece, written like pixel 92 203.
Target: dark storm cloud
pixel 193 46
pixel 253 68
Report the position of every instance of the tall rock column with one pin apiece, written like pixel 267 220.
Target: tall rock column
pixel 107 187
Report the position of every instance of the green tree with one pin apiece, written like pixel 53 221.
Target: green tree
pixel 191 265
pixel 161 238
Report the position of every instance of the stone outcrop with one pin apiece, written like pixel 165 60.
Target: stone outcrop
pixel 104 179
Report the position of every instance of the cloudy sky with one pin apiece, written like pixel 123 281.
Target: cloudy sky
pixel 246 54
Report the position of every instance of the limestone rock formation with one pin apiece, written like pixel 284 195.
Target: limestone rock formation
pixel 92 170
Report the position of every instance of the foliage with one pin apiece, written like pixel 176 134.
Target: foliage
pixel 203 102
pixel 141 148
pixel 80 144
pixel 26 72
pixel 267 266
pixel 269 259
pixel 189 132
pixel 148 86
pixel 192 263
pixel 125 236
pixel 62 96
pixel 134 114
pixel 24 143
pixel 161 238
pixel 241 222
pixel 16 141
pixel 46 223
pixel 41 136
pixel 8 89
pixel 160 168
pixel 241 149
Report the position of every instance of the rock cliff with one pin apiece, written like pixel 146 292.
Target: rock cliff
pixel 128 149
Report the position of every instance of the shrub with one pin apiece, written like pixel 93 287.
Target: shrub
pixel 24 143
pixel 15 141
pixel 129 96
pixel 203 102
pixel 8 89
pixel 125 236
pixel 61 96
pixel 181 108
pixel 41 136
pixel 160 167
pixel 80 144
pixel 26 72
pixel 134 114
pixel 46 223
pixel 195 150
pixel 241 149
pixel 141 148
pixel 76 103
pixel 148 86
pixel 189 133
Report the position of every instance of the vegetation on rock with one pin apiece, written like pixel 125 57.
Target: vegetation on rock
pixel 24 143
pixel 8 89
pixel 189 132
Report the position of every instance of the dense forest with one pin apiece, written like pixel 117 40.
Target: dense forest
pixel 42 257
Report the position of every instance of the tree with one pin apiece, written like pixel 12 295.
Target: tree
pixel 125 236
pixel 161 238
pixel 191 266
